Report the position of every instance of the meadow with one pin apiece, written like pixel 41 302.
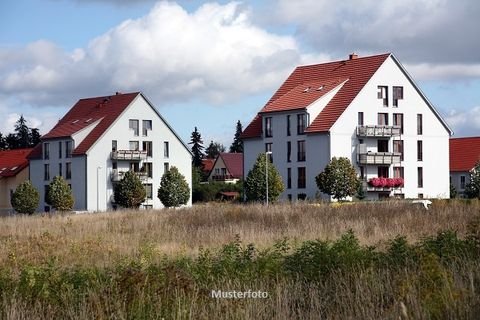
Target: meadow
pixel 386 260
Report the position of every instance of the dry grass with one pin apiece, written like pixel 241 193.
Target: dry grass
pixel 102 239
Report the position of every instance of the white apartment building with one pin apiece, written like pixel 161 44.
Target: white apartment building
pixel 100 139
pixel 367 109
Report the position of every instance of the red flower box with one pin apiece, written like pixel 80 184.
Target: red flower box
pixel 386 182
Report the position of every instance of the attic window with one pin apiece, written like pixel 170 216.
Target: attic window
pixel 4 168
pixel 320 88
pixel 74 121
pixel 14 168
pixel 88 120
pixel 307 89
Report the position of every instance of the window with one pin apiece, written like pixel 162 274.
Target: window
pixel 462 182
pixel 148 168
pixel 382 146
pixel 268 126
pixel 289 178
pixel 362 172
pixel 147 146
pixel 114 145
pixel 149 190
pixel 46 151
pixel 419 150
pixel 383 172
pixel 301 182
pixel 360 118
pixel 46 172
pixel 288 126
pixel 383 95
pixel 134 166
pixel 398 147
pixel 301 150
pixel 146 126
pixel 268 148
pixel 419 124
pixel 420 177
pixel 301 196
pixel 60 149
pixel 134 145
pixel 289 197
pixel 420 196
pixel 133 125
pixel 289 151
pixel 397 95
pixel 60 169
pixel 398 121
pixel 68 149
pixel 68 170
pixel 383 119
pixel 46 189
pixel 301 123
pixel 398 172
pixel 166 167
pixel 114 164
pixel 166 149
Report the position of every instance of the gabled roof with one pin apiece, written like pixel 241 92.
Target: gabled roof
pixel 13 161
pixel 207 165
pixel 464 153
pixel 233 162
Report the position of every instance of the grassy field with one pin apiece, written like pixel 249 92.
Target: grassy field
pixel 163 264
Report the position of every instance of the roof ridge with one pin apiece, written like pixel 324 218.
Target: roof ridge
pixel 344 60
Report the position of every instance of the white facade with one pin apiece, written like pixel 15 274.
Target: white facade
pixel 342 140
pixel 93 175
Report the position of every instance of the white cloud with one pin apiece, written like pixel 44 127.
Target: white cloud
pixel 215 53
pixel 464 122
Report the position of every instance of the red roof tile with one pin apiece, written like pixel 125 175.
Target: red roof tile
pixel 207 165
pixel 13 161
pixel 233 163
pixel 464 153
pixel 357 71
pixel 84 113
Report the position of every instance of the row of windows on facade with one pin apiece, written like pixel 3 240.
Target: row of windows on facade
pixel 68 149
pixel 383 95
pixel 382 119
pixel 301 125
pixel 133 124
pixel 301 151
pixel 68 171
pixel 398 147
pixel 147 146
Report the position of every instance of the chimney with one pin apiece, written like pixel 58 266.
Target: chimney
pixel 118 93
pixel 352 56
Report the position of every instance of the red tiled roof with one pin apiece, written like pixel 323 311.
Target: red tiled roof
pixel 464 153
pixel 207 165
pixel 85 112
pixel 13 161
pixel 358 71
pixel 233 163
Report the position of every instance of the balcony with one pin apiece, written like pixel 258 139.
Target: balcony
pixel 383 184
pixel 378 131
pixel 129 155
pixel 223 177
pixel 117 175
pixel 379 157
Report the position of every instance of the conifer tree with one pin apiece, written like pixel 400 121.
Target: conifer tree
pixel 197 148
pixel 237 144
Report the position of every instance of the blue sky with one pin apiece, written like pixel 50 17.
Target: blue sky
pixel 209 64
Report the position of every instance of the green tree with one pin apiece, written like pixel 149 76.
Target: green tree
pixel 129 192
pixel 11 141
pixel 34 137
pixel 472 189
pixel 25 198
pixel 22 132
pixel 174 190
pixel 3 143
pixel 255 183
pixel 214 149
pixel 453 191
pixel 197 148
pixel 338 179
pixel 60 195
pixel 237 144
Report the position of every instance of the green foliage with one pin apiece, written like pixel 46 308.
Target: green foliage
pixel 472 189
pixel 338 179
pixel 60 195
pixel 129 192
pixel 237 144
pixel 214 149
pixel 360 195
pixel 25 198
pixel 255 183
pixel 453 191
pixel 24 137
pixel 174 190
pixel 197 148
pixel 210 191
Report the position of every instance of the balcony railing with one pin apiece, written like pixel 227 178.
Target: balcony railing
pixel 223 177
pixel 383 184
pixel 129 155
pixel 117 175
pixel 378 131
pixel 379 158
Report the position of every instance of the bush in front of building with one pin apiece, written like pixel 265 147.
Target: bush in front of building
pixel 174 190
pixel 255 183
pixel 25 198
pixel 472 190
pixel 60 195
pixel 129 192
pixel 338 179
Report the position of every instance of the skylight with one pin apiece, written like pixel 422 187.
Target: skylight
pixel 74 121
pixel 320 88
pixel 307 89
pixel 14 168
pixel 88 120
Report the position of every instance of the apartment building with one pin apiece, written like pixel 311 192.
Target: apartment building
pixel 367 109
pixel 99 140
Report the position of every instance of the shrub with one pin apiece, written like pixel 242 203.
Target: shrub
pixel 60 195
pixel 129 192
pixel 25 198
pixel 255 183
pixel 338 179
pixel 174 190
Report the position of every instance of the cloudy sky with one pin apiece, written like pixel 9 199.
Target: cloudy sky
pixel 209 64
